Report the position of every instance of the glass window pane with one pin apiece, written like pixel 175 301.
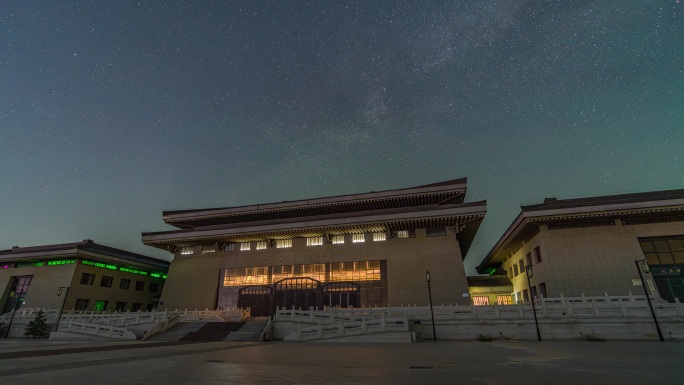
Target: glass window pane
pixel 676 244
pixel 661 246
pixel 647 246
pixel 652 258
pixel 666 258
pixel 678 256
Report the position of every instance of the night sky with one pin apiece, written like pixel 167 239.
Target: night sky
pixel 113 111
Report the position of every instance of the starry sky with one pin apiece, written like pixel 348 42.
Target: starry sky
pixel 112 111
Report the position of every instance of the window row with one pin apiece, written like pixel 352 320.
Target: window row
pixel 314 241
pixel 483 300
pixel 103 305
pixel 519 268
pixel 537 292
pixel 105 281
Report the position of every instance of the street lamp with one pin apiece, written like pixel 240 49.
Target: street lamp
pixel 534 309
pixel 59 293
pixel 432 315
pixel 644 267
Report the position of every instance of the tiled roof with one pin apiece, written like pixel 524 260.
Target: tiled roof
pixel 553 203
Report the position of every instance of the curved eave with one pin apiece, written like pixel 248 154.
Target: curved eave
pixel 365 201
pixel 470 216
pixel 526 225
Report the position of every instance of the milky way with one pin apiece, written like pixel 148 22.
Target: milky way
pixel 111 112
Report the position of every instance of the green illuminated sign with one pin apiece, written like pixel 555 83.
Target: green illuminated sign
pixel 98 264
pixel 134 271
pixel 156 275
pixel 61 262
pixel 29 264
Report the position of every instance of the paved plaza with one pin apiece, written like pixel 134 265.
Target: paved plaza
pixel 444 362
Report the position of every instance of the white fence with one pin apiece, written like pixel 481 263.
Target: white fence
pixel 99 330
pixel 344 329
pixel 623 307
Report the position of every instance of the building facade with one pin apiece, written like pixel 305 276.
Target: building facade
pixel 588 246
pixel 370 249
pixel 80 276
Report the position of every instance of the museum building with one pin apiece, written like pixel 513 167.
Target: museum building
pixel 595 246
pixel 81 276
pixel 369 249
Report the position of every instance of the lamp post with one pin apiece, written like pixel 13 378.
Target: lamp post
pixel 534 309
pixel 59 293
pixel 432 315
pixel 644 267
pixel 14 311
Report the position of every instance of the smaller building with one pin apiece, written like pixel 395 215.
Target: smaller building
pixel 80 276
pixel 590 246
pixel 490 290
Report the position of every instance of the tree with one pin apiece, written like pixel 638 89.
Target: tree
pixel 38 327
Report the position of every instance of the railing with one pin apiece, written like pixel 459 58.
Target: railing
pixel 116 318
pixel 99 330
pixel 26 315
pixel 344 329
pixel 214 315
pixel 623 307
pixel 162 326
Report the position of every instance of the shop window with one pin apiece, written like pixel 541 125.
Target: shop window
pixel 125 283
pixel 537 254
pixel 106 281
pixel 81 304
pixel 87 279
pixel 101 305
pixel 436 232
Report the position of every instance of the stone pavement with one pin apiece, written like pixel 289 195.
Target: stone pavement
pixel 444 362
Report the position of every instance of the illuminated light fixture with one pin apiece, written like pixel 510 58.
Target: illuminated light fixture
pixel 358 238
pixel 314 241
pixel 338 240
pixel 208 249
pixel 491 271
pixel 261 245
pixel 61 262
pixel 283 243
pixel 245 246
pixel 379 237
pixel 187 250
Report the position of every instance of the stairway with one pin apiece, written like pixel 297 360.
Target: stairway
pixel 178 331
pixel 213 331
pixel 250 331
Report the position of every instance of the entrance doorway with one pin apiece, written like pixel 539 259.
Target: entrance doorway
pixel 302 293
pixel 341 294
pixel 258 298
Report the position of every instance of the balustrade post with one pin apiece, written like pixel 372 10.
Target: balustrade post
pixel 680 307
pixel 520 310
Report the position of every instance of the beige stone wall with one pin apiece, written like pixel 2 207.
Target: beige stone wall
pixel 590 261
pixel 42 292
pixel 194 279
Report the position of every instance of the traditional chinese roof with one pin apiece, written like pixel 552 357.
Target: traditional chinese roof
pixel 85 249
pixel 433 205
pixel 646 207
pixel 451 191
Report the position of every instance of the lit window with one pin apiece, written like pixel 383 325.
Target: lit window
pixel 338 239
pixel 377 237
pixel 402 234
pixel 244 246
pixel 262 245
pixel 504 300
pixel 314 241
pixel 187 250
pixel 283 243
pixel 208 249
pixel 358 238
pixel 480 300
pixel 230 247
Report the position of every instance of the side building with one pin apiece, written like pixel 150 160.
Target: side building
pixel 370 249
pixel 81 276
pixel 590 246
